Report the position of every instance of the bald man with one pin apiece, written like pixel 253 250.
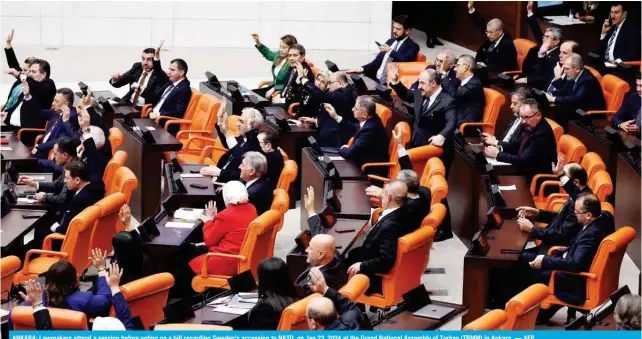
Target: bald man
pixel 321 256
pixel 321 313
pixel 378 252
pixel 497 53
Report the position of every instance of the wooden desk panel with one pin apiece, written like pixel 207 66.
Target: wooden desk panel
pixel 14 226
pixel 627 204
pixel 19 154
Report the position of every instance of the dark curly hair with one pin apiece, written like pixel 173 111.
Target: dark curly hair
pixel 60 282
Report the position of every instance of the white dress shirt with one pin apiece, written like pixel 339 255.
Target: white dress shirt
pixel 15 116
pixel 609 52
pixel 433 97
pixel 465 81
pixel 512 129
pixel 141 100
pixel 165 95
pixel 249 183
pixel 395 46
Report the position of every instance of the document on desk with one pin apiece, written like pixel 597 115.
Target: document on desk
pixel 220 301
pixel 29 237
pixel 231 310
pixel 188 213
pixel 507 188
pixel 530 244
pixel 38 177
pixel 609 65
pixel 26 200
pixel 177 224
pixel 5 148
pixel 563 20
pixel 149 128
pixel 294 122
pixel 336 158
pixel 494 162
pixel 191 175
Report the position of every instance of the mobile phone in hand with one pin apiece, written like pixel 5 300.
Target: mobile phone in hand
pixel 378 44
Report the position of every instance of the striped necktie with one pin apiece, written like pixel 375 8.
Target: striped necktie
pixel 611 42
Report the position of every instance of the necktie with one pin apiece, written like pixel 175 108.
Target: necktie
pixel 137 93
pixel 611 42
pixel 13 99
pixel 527 134
pixel 383 70
pixel 425 106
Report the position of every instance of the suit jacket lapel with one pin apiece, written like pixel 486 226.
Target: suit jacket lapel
pixel 433 105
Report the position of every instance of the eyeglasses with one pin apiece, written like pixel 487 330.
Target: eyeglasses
pixel 528 117
pixel 490 32
pixel 580 212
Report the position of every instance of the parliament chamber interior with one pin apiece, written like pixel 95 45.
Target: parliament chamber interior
pixel 293 165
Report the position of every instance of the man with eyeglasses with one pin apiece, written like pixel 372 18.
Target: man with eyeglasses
pixel 537 68
pixel 579 88
pixel 497 53
pixel 577 257
pixel 444 65
pixel 535 151
pixel 467 90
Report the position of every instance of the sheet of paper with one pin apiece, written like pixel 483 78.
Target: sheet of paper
pixel 334 158
pixel 530 244
pixel 188 214
pixel 225 309
pixel 177 224
pixel 151 128
pixel 564 20
pixel 494 162
pixel 29 237
pixel 38 177
pixel 3 313
pixel 191 175
pixel 507 188
pixel 609 65
pixel 220 301
pixel 294 122
pixel 26 200
pixel 5 148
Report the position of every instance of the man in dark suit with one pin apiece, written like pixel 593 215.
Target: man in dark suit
pixel 340 95
pixel 577 257
pixel 227 168
pixel 467 90
pixel 145 79
pixel 497 53
pixel 370 143
pixel 56 128
pixel 86 193
pixel 175 95
pixel 537 68
pixel 269 142
pixel 620 38
pixel 435 113
pixel 333 311
pixel 515 127
pixel 444 65
pixel 299 69
pixel 321 255
pixel 54 194
pixel 563 225
pixel 536 150
pixel 259 187
pixel 627 117
pixel 401 48
pixel 579 88
pixel 378 252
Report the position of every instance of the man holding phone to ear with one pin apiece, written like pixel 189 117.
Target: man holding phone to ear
pixel 620 39
pixel 398 49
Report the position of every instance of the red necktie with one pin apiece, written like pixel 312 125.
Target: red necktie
pixel 527 134
pixel 137 93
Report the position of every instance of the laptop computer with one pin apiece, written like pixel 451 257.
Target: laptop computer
pixel 418 301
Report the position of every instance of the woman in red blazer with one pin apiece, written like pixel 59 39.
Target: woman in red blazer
pixel 223 233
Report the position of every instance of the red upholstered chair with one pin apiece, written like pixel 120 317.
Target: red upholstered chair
pixel 490 321
pixel 147 296
pixel 494 102
pixel 61 319
pixel 522 46
pixel 108 223
pixel 8 266
pixel 522 309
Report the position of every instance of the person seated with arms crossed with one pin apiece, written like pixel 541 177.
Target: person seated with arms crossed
pixel 62 288
pixel 62 110
pixel 175 95
pixel 321 255
pixel 299 68
pixel 222 232
pixel 340 95
pixel 248 126
pixel 14 99
pixel 467 90
pixel 435 113
pixel 276 292
pixel 269 142
pixel 534 152
pixel 579 89
pixel 627 313
pixel 145 79
pixel 537 68
pixel 497 53
pixel 627 118
pixel 309 105
pixel 577 257
pixel 260 188
pixel 400 48
pixel 370 142
pixel 54 194
pixel 620 38
pixel 86 193
pixel 515 129
pixel 280 65
pixel 378 252
pixel 123 320
pixel 333 311
pixel 563 225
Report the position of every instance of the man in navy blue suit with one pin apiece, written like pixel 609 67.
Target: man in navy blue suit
pixel 467 90
pixel 398 49
pixel 57 117
pixel 370 143
pixel 577 257
pixel 579 89
pixel 175 95
pixel 627 117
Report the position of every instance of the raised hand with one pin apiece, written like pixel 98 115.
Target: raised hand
pixel 394 72
pixel 529 6
pixel 398 137
pixel 115 76
pixel 98 259
pixel 256 39
pixel 317 282
pixel 558 168
pixel 210 210
pixel 308 201
pixel 34 293
pixel 115 273
pixel 331 111
pixel 471 6
pixel 86 100
pixel 10 38
pixel 125 214
pixel 158 49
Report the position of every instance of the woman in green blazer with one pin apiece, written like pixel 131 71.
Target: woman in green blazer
pixel 280 65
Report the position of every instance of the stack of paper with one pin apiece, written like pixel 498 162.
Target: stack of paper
pixel 225 309
pixel 494 162
pixel 176 224
pixel 188 213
